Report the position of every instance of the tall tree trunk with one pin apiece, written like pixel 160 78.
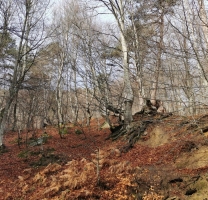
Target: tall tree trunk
pixel 117 7
pixel 204 20
pixel 15 115
pixel 204 25
pixel 128 92
pixel 4 114
pixel 192 37
pixel 88 100
pixel 138 63
pixel 154 91
pixel 59 93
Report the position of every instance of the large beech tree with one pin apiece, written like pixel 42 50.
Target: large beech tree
pixel 118 8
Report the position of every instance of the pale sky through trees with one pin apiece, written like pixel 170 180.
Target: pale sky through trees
pixel 166 44
pixel 102 13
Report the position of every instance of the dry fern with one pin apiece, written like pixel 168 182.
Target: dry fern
pixel 120 168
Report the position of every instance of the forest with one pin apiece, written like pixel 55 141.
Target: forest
pixel 79 64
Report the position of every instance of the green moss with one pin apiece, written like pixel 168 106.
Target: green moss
pixel 78 132
pixel 63 131
pixel 24 154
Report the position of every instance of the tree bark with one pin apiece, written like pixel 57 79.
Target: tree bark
pixel 20 70
pixel 128 92
pixel 192 38
pixel 4 114
pixel 58 91
pixel 159 60
pixel 138 63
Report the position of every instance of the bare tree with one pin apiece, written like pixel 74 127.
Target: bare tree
pixel 28 27
pixel 118 10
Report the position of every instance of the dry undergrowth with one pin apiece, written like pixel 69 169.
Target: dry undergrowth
pixel 121 175
pixel 78 179
pixel 152 195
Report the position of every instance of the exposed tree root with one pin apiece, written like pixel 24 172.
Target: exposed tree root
pixel 117 132
pixel 149 114
pixel 135 130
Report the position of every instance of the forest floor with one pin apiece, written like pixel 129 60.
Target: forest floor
pixel 170 161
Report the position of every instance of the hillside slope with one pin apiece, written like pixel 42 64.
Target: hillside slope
pixel 168 162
